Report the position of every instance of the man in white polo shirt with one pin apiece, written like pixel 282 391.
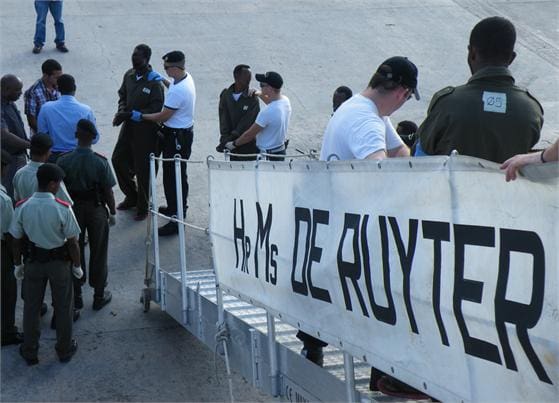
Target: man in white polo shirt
pixel 270 127
pixel 177 131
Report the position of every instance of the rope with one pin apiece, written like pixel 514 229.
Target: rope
pixel 222 336
pixel 311 155
pixel 175 219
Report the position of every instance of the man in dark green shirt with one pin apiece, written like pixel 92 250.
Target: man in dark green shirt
pixel 89 181
pixel 141 91
pixel 238 109
pixel 489 117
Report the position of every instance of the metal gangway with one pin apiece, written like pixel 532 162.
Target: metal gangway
pixel 253 341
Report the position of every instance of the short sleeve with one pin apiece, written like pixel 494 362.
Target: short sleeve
pixel 16 229
pixel 393 139
pixel 70 227
pixel 263 118
pixel 173 99
pixel 30 106
pixel 7 214
pixel 368 138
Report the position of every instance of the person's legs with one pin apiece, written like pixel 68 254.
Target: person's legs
pixel 123 165
pixel 10 333
pixel 98 229
pixel 60 279
pixel 35 284
pixel 144 144
pixel 56 11
pixel 41 8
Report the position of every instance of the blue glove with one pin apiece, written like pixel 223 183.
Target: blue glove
pixel 136 116
pixel 154 76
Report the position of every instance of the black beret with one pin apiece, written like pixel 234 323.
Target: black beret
pixel 176 56
pixel 87 126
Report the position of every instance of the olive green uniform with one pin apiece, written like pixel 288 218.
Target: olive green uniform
pixel 235 117
pixel 137 140
pixel 489 118
pixel 48 223
pixel 87 175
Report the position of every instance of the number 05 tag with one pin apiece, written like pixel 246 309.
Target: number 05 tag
pixel 494 102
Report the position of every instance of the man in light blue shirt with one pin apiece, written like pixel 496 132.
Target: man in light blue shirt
pixel 59 118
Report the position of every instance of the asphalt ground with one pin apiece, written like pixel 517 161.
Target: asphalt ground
pixel 317 45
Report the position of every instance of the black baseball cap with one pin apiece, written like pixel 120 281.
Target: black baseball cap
pixel 402 71
pixel 176 56
pixel 271 78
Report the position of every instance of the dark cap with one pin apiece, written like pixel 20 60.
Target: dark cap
pixel 176 56
pixel 40 144
pixel 271 78
pixel 400 70
pixel 86 125
pixel 49 173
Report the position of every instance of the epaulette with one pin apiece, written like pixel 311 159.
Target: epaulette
pixel 19 203
pixel 64 203
pixel 440 94
pixel 99 155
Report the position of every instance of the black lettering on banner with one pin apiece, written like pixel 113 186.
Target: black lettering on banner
pixel 523 316
pixel 438 232
pixel 385 314
pixel 406 259
pixel 471 290
pixel 301 215
pixel 315 254
pixel 351 270
pixel 273 264
pixel 263 235
pixel 239 235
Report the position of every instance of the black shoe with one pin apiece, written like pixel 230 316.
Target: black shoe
pixel 126 204
pixel 37 49
pixel 11 339
pixel 165 211
pixel 140 216
pixel 75 317
pixel 314 355
pixel 44 309
pixel 29 361
pixel 100 302
pixel 68 356
pixel 171 228
pixel 62 48
pixel 78 302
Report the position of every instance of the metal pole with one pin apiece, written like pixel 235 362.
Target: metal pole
pixel 182 245
pixel 349 377
pixel 155 234
pixel 273 348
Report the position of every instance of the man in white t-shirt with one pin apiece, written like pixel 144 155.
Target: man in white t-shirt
pixel 177 131
pixel 361 127
pixel 270 127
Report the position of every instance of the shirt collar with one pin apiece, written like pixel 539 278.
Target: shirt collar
pixel 492 71
pixel 67 98
pixel 84 150
pixel 35 164
pixel 43 195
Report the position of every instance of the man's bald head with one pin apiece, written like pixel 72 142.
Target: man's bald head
pixel 11 86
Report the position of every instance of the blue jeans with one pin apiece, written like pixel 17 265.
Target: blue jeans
pixel 42 8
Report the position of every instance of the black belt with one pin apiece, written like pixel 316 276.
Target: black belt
pixel 173 130
pixel 41 255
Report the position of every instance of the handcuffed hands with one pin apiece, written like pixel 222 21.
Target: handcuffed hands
pixel 121 117
pixel 19 271
pixel 77 272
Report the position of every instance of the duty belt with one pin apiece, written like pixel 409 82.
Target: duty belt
pixel 37 254
pixel 275 149
pixel 173 130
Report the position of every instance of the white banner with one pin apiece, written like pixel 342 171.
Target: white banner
pixel 432 269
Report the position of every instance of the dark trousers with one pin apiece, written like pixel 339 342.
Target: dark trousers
pixel 175 141
pixel 9 293
pixel 58 274
pixel 131 157
pixel 93 219
pixel 310 341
